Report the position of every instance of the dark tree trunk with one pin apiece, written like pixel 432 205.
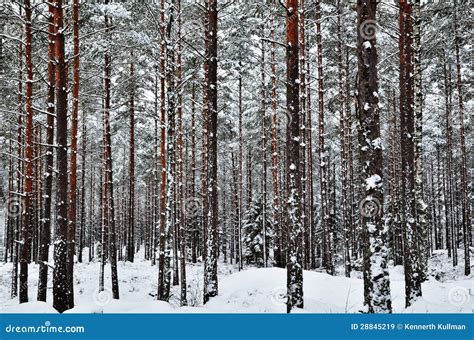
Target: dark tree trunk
pixel 410 232
pixel 108 168
pixel 130 242
pixel 27 225
pixel 19 183
pixel 45 237
pixel 275 181
pixel 376 280
pixel 295 252
pixel 465 202
pixel 72 205
pixel 60 275
pixel 323 168
pixel 210 264
pixel 82 231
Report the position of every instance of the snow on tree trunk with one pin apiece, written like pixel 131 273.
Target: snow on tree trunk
pixel 410 227
pixel 72 205
pixel 27 223
pixel 109 184
pixel 377 297
pixel 60 283
pixel 210 264
pixel 323 166
pixel 465 201
pixel 421 207
pixel 294 265
pixel 130 242
pixel 45 240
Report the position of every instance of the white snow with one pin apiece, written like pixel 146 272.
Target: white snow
pixel 373 182
pixel 253 290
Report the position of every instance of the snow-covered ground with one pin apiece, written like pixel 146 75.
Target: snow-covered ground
pixel 253 290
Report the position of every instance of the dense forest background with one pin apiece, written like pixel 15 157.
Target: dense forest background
pixel 328 136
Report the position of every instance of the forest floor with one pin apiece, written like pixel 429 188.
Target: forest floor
pixel 252 290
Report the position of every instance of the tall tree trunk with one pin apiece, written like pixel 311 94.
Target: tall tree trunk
pixel 302 107
pixel 264 148
pixel 276 199
pixel 240 183
pixel 108 167
pixel 210 264
pixel 343 143
pixel 82 232
pixel 45 237
pixel 465 202
pixel 27 225
pixel 162 294
pixel 72 205
pixel 158 203
pixel 9 218
pixel 309 165
pixel 376 280
pixel 130 242
pixel 181 194
pixel 294 265
pixel 167 190
pixel 104 212
pixel 410 227
pixel 421 207
pixel 18 203
pixel 193 199
pixel 205 135
pixel 60 274
pixel 448 177
pixel 323 172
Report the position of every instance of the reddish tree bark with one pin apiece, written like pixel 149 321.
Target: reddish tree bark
pixel 295 256
pixel 60 275
pixel 27 225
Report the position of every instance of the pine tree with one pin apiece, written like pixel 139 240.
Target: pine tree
pixel 465 203
pixel 108 168
pixel 72 204
pixel 130 242
pixel 45 237
pixel 210 264
pixel 294 265
pixel 60 282
pixel 376 279
pixel 256 233
pixel 410 231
